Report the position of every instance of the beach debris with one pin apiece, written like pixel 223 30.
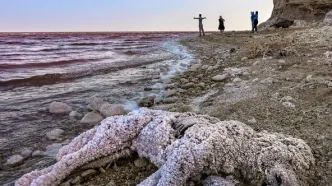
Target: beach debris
pixel 59 108
pixel 184 146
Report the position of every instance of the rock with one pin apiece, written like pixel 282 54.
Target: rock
pixel 53 149
pixel 14 160
pixel 108 110
pixel 288 104
pixel 268 80
pixel 256 63
pixel 37 153
pixel 285 12
pixel 54 134
pixel 252 121
pixel 111 183
pixel 96 103
pixel 219 78
pixel 169 86
pixel 184 81
pixel 188 85
pixel 170 100
pixel 194 68
pixel 91 118
pixel 77 180
pixel 89 172
pixel 244 59
pixel 141 162
pixel 286 99
pixel 59 108
pixel 281 61
pixel 102 170
pixel 204 67
pixel 148 88
pixel 26 153
pixel 75 114
pixel 67 183
pixel 210 68
pixel 147 101
pixel 201 85
pixel 170 93
pixel 236 80
pixel 328 17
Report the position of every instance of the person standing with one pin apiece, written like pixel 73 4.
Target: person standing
pixel 252 21
pixel 221 24
pixel 200 24
pixel 256 21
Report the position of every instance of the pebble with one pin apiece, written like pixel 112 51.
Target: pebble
pixel 88 173
pixel 108 110
pixel 204 67
pixel 26 153
pixel 59 108
pixel 184 81
pixel 148 101
pixel 286 99
pixel 67 183
pixel 54 134
pixel 75 114
pixel 237 79
pixel 219 78
pixel 14 160
pixel 141 162
pixel 76 180
pixel 170 93
pixel 188 85
pixel 281 61
pixel 111 183
pixel 244 59
pixel 91 118
pixel 252 121
pixel 288 104
pixel 256 63
pixel 37 153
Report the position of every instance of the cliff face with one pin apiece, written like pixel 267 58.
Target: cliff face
pixel 286 11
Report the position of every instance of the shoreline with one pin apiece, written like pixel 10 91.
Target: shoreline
pixel 264 80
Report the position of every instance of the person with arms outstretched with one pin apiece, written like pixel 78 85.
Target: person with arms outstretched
pixel 200 25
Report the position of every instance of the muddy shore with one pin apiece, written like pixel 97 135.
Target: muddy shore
pixel 278 80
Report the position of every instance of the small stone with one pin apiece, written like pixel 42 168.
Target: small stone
pixel 188 85
pixel 286 99
pixel 288 104
pixel 91 118
pixel 219 78
pixel 26 153
pixel 202 85
pixel 76 180
pixel 59 108
pixel 102 170
pixel 111 183
pixel 75 114
pixel 170 100
pixel 14 160
pixel 89 172
pixel 309 78
pixel 281 61
pixel 169 86
pixel 53 149
pixel 252 121
pixel 244 59
pixel 108 110
pixel 200 76
pixel 256 63
pixel 96 103
pixel 184 81
pixel 210 68
pixel 54 134
pixel 141 162
pixel 237 79
pixel 37 153
pixel 170 93
pixel 148 101
pixel 204 67
pixel 67 183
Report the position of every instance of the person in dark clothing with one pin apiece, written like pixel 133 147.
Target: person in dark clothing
pixel 221 24
pixel 252 21
pixel 255 21
pixel 200 24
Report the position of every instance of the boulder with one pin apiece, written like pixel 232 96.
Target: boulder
pixel 108 110
pixel 14 160
pixel 285 12
pixel 148 101
pixel 219 78
pixel 91 118
pixel 59 108
pixel 54 134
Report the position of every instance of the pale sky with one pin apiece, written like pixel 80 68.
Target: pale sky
pixel 127 15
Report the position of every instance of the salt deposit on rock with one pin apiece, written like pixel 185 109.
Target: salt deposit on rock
pixel 185 146
pixel 14 160
pixel 221 77
pixel 54 134
pixel 108 110
pixel 59 108
pixel 91 118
